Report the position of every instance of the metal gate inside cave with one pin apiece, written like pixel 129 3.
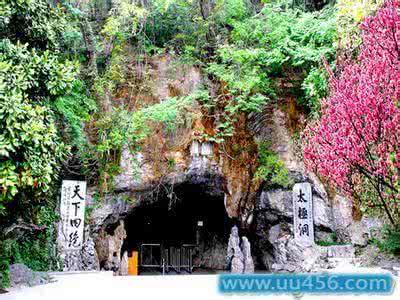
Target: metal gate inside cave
pixel 172 237
pixel 167 258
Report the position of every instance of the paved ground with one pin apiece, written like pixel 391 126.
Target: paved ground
pixel 102 285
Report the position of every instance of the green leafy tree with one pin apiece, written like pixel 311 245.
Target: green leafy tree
pixel 30 148
pixel 271 169
pixel 40 110
pixel 279 43
pixel 31 22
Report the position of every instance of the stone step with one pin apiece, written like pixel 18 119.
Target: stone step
pixel 338 251
pixel 337 262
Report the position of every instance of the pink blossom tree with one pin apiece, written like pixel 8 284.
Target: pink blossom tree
pixel 357 139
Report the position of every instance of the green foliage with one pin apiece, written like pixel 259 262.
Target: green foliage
pixel 33 22
pixel 328 243
pixel 37 250
pixel 350 14
pixel 170 112
pixel 171 164
pixel 118 129
pixel 71 42
pixel 30 147
pixel 331 240
pixel 390 241
pixel 34 249
pixel 228 12
pixel 309 5
pixel 113 75
pixel 287 38
pixel 278 42
pixel 39 98
pixel 271 169
pixel 75 107
pixel 123 22
pixel 241 70
pixel 188 27
pixel 122 128
pixel 315 87
pixel 175 24
pixel 5 254
pixel 38 75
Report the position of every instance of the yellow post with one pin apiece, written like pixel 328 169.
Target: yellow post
pixel 133 263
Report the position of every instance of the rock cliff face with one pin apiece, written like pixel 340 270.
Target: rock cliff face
pixel 168 165
pixel 334 221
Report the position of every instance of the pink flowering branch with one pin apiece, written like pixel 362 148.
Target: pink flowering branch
pixel 358 132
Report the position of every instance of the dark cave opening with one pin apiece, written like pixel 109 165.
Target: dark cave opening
pixel 188 213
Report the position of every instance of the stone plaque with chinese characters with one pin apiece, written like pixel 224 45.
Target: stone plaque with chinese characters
pixel 72 209
pixel 303 213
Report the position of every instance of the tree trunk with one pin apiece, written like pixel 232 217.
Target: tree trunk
pixel 386 208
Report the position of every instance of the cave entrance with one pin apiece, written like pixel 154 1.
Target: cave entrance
pixel 184 228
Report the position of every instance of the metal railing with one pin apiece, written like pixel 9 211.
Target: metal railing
pixel 187 257
pixel 150 255
pixel 172 258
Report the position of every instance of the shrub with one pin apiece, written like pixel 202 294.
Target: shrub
pixel 271 169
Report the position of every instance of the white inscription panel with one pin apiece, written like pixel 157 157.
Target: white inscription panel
pixel 303 213
pixel 72 208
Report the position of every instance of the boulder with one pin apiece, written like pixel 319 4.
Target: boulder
pixel 108 246
pixel 342 216
pixel 278 201
pixel 123 269
pixel 322 212
pixel 247 258
pixel 21 275
pixel 359 235
pixel 278 204
pixel 340 251
pixel 291 256
pixel 362 231
pixel 237 265
pixel 274 232
pixel 90 260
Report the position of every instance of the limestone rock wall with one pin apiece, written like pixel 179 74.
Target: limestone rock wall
pixel 265 212
pixel 334 214
pixel 109 246
pixel 85 259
